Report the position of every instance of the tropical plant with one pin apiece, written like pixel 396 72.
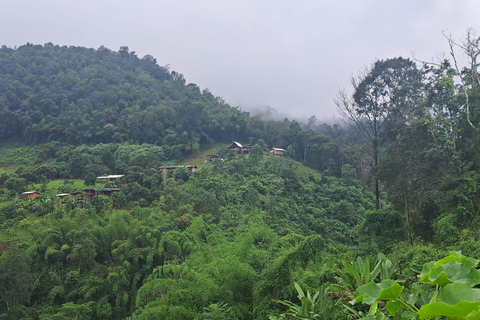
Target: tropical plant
pixel 448 282
pixel 358 273
pixel 316 307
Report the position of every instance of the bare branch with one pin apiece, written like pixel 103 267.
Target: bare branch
pixel 425 62
pixel 452 43
pixel 346 109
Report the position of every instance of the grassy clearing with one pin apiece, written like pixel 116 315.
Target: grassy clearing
pixel 200 157
pixel 303 171
pixel 52 186
pixel 16 233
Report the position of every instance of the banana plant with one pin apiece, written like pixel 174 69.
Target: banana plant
pixel 317 307
pixel 359 272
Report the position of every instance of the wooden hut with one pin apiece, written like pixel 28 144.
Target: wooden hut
pixel 31 194
pixel 166 168
pixel 277 152
pixel 191 168
pixel 239 148
pixel 235 147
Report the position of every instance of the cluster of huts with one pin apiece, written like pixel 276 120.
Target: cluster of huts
pixel 238 148
pixel 88 193
pixel 85 194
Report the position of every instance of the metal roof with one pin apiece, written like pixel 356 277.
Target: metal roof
pixel 30 192
pixel 112 176
pixel 236 144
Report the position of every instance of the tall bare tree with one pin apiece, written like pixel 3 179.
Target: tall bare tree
pixel 381 91
pixel 471 49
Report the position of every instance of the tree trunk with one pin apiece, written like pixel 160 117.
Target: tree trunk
pixel 407 218
pixel 305 153
pixel 375 164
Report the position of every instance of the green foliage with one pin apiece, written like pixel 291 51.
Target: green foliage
pixel 318 306
pixel 371 292
pixel 217 311
pixel 445 229
pixel 243 233
pixel 15 278
pixel 457 300
pixel 454 277
pixel 455 268
pixel 101 204
pixel 360 272
pixel 382 228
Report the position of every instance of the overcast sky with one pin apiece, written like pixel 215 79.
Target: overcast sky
pixel 290 55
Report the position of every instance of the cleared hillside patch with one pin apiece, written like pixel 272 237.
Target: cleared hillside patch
pixel 200 157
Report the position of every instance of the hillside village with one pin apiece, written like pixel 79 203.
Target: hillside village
pixel 115 179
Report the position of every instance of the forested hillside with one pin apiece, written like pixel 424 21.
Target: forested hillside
pixel 356 213
pixel 78 95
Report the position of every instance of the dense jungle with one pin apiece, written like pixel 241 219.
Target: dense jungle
pixel 373 217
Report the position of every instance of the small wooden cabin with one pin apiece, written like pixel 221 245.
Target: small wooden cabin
pixel 277 152
pixel 240 149
pixel 31 194
pixel 235 147
pixel 191 168
pixel 166 168
pixel 188 168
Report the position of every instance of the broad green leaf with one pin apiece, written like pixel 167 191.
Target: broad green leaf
pixel 371 292
pixel 454 300
pixel 455 268
pixel 393 306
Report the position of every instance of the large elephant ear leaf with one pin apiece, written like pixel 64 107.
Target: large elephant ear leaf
pixel 455 268
pixel 371 292
pixel 457 300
